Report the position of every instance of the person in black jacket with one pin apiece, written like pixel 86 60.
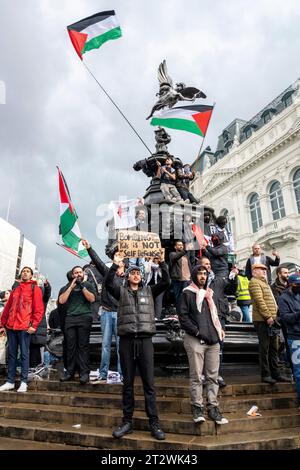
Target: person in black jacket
pixel 108 316
pixel 136 326
pixel 259 257
pixel 221 287
pixel 203 333
pixel 218 254
pixel 180 271
pixel 289 309
pixel 39 339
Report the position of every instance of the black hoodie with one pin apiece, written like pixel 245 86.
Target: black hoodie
pixel 192 321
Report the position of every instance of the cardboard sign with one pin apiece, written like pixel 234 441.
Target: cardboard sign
pixel 135 244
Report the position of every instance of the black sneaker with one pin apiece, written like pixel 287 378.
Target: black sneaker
pixel 66 377
pixel 268 380
pixel 157 432
pixel 198 414
pixel 84 379
pixel 281 378
pixel 125 428
pixel 215 415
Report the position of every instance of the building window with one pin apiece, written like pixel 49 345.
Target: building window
pixel 266 117
pixel 276 199
pixel 287 99
pixel 225 136
pixel 248 132
pixel 296 184
pixel 255 212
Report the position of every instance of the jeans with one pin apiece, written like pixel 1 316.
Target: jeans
pixel 178 287
pixel 109 329
pixel 246 314
pixel 17 338
pixel 294 345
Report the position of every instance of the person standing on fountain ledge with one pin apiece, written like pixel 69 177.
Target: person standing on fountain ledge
pixel 136 326
pixel 167 176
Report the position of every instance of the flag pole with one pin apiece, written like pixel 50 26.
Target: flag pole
pixel 115 104
pixel 199 153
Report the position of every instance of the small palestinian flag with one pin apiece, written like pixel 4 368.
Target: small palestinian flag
pixel 194 118
pixel 68 227
pixel 90 33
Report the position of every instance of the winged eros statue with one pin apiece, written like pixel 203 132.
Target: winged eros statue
pixel 170 95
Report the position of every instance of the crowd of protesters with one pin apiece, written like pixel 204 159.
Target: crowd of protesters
pixel 206 291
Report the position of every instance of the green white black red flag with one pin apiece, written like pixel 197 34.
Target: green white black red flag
pixel 68 227
pixel 93 31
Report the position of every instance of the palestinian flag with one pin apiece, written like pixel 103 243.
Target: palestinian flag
pixel 68 227
pixel 90 33
pixel 194 118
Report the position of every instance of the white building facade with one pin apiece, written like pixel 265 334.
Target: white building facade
pixel 254 179
pixel 15 253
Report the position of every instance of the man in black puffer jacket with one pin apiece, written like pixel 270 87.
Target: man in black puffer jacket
pixel 203 332
pixel 136 326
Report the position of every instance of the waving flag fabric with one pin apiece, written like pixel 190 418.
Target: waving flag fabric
pixel 68 227
pixel 90 33
pixel 193 118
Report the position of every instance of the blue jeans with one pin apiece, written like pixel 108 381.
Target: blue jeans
pixel 246 315
pixel 178 287
pixel 109 329
pixel 17 338
pixel 294 345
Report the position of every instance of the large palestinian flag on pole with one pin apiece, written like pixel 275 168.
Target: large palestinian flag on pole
pixel 90 33
pixel 68 227
pixel 194 118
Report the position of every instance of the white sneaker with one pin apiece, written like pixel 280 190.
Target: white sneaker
pixel 222 421
pixel 7 386
pixel 22 388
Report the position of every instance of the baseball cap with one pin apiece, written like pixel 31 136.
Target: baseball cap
pixel 132 268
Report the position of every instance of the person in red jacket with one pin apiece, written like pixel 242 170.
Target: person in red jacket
pixel 21 316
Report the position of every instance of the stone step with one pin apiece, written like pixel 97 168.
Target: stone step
pixel 100 438
pixel 170 422
pixel 78 398
pixel 278 439
pixel 23 444
pixel 228 404
pixel 89 436
pixel 165 387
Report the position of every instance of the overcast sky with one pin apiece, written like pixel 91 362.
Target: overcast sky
pixel 241 53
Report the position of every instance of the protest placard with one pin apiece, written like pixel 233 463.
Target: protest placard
pixel 136 244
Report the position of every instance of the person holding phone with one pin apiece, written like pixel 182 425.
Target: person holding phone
pixel 77 297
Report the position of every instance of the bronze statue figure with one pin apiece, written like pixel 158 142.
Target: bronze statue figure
pixel 170 95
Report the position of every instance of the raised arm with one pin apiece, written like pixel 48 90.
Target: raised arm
pixel 109 280
pixel 102 268
pixel 165 281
